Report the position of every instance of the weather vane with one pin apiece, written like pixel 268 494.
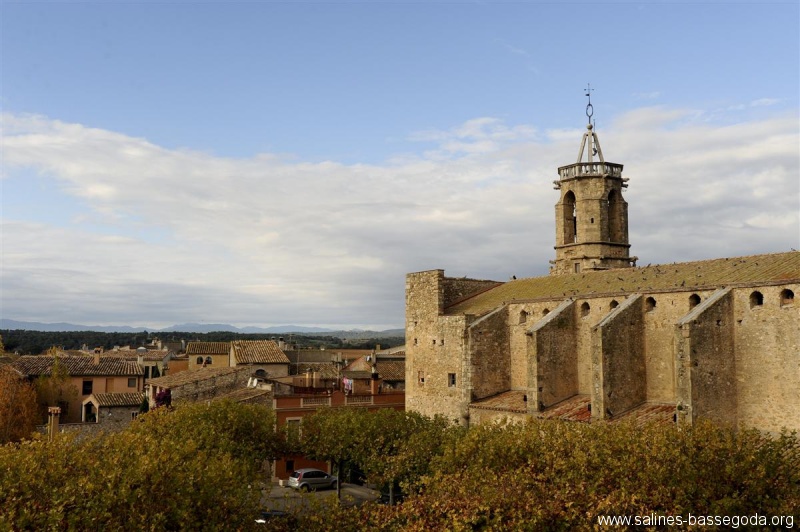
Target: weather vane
pixel 589 108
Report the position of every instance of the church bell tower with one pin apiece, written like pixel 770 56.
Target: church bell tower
pixel 592 215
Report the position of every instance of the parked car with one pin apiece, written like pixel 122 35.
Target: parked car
pixel 311 479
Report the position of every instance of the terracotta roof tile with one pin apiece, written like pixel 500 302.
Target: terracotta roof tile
pixel 208 348
pixel 325 370
pixel 685 276
pixel 650 413
pixel 191 376
pixel 150 356
pixel 512 401
pixel 576 408
pixel 258 352
pixel 78 366
pixel 119 399
pixel 392 370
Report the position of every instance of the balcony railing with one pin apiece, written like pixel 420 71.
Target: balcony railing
pixel 315 401
pixel 581 169
pixel 358 400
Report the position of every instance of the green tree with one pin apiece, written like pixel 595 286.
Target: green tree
pixel 396 447
pixel 332 435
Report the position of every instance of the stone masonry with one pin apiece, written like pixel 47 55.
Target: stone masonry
pixel 716 339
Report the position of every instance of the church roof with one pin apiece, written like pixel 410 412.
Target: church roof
pixel 682 276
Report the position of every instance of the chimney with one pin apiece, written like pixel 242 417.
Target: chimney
pixel 96 358
pixel 140 360
pixel 53 415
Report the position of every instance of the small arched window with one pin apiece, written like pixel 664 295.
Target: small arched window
pixel 585 308
pixel 649 304
pixel 523 316
pixel 261 373
pixel 787 297
pixel 199 360
pixel 570 219
pixel 614 304
pixel 545 312
pixel 756 299
pixel 694 300
pixel 209 360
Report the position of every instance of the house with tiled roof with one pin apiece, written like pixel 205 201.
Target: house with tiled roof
pixel 208 354
pixel 111 411
pixel 600 339
pixel 89 374
pixel 264 358
pixel 376 372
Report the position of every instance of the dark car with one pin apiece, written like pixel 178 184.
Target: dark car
pixel 311 479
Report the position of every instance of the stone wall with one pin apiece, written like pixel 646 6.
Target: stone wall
pixel 619 379
pixel 521 317
pixel 637 352
pixel 489 354
pixel 767 340
pixel 553 363
pixel 704 350
pixel 435 350
pixel 659 341
pixel 210 387
pixel 585 320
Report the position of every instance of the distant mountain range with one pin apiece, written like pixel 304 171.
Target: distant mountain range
pixel 197 328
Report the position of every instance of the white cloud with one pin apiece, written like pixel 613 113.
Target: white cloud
pixel 763 102
pixel 187 236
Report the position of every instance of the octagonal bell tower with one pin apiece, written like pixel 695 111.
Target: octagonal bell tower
pixel 591 215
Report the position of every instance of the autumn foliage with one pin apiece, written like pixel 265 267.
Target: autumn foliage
pixel 550 475
pixel 19 412
pixel 195 467
pixel 192 468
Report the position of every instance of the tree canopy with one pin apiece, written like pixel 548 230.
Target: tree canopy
pixel 19 413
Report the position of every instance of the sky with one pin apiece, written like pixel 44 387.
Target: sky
pixel 273 163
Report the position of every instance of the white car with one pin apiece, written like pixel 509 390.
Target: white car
pixel 311 479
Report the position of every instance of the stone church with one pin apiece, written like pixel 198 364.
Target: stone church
pixel 602 339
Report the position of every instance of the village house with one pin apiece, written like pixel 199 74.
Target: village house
pixel 112 411
pixel 264 358
pixel 87 375
pixel 208 354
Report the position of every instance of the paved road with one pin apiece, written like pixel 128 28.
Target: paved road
pixel 288 499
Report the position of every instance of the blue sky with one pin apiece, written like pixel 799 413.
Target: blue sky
pixel 267 163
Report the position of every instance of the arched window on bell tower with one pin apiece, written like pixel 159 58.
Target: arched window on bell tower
pixel 570 219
